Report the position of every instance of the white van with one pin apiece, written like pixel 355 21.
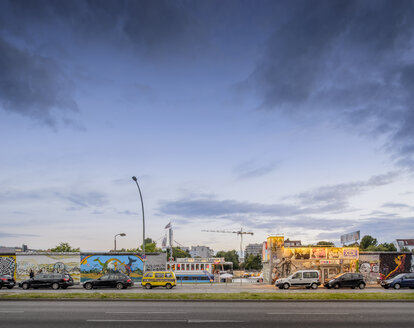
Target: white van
pixel 304 278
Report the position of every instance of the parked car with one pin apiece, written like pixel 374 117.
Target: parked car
pixel 45 280
pixel 111 280
pixel 351 280
pixel 159 278
pixel 7 280
pixel 399 281
pixel 301 278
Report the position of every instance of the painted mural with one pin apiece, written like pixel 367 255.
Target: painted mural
pixel 8 265
pixel 93 266
pixel 329 260
pixel 369 267
pixel 47 262
pixel 393 264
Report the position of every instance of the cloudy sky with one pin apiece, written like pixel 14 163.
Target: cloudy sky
pixel 281 117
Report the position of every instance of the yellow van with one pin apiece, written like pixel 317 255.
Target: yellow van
pixel 159 278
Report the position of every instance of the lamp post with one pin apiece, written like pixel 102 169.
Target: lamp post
pixel 119 234
pixel 143 221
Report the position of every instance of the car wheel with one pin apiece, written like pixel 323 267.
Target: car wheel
pixel 55 286
pixel 397 286
pixel 336 286
pixel 286 285
pixel 119 285
pixel 314 286
pixel 168 286
pixel 361 286
pixel 148 286
pixel 10 287
pixel 88 286
pixel 25 285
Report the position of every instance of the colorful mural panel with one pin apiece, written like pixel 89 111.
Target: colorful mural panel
pixel 8 265
pixel 93 266
pixel 318 253
pixel 369 267
pixel 47 262
pixel 393 264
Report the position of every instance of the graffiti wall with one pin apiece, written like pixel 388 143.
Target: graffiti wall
pixel 369 265
pixel 93 266
pixel 47 262
pixel 329 260
pixel 156 262
pixel 392 264
pixel 8 264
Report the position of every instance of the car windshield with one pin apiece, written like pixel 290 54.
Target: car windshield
pixel 398 276
pixel 338 275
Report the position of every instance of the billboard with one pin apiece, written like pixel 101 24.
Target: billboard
pixel 351 237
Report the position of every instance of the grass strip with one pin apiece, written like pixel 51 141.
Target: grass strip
pixel 212 296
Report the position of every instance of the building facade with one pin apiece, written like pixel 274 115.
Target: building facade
pixel 404 243
pixel 201 251
pixel 255 249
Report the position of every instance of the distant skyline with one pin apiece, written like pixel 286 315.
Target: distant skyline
pixel 281 117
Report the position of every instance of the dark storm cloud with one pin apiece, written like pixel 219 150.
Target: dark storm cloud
pixel 33 85
pixel 327 199
pixel 348 61
pixel 343 192
pixel 251 169
pixel 36 85
pixel 15 235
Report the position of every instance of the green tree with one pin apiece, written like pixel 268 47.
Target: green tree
pixel 368 241
pixel 64 247
pixel 325 243
pixel 230 256
pixel 178 253
pixel 253 262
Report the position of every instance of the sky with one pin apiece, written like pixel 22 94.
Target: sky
pixel 278 117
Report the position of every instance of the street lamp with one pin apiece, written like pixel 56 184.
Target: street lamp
pixel 143 222
pixel 119 234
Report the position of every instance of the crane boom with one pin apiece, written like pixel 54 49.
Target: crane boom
pixel 239 232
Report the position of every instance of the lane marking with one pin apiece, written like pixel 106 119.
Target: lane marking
pixel 210 321
pixel 132 320
pixel 11 311
pixel 307 313
pixel 143 312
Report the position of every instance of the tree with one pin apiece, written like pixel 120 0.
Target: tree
pixel 253 262
pixel 150 247
pixel 178 253
pixel 325 243
pixel 230 256
pixel 64 247
pixel 368 241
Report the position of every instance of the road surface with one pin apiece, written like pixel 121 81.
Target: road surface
pixel 65 314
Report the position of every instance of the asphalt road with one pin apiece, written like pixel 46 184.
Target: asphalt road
pixel 47 314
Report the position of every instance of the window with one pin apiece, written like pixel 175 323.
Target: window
pixel 308 275
pixel 159 275
pixel 197 267
pixel 106 277
pixel 207 266
pixel 201 266
pixel 168 275
pixel 192 267
pixel 297 275
pixel 178 266
pixel 148 275
pixel 168 267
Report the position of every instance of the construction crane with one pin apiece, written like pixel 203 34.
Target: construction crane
pixel 239 232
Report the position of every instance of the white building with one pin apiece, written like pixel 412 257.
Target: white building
pixel 255 249
pixel 201 251
pixel 404 243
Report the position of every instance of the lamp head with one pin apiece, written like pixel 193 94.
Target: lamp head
pixel 134 178
pixel 122 234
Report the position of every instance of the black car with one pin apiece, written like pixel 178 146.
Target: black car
pixel 43 280
pixel 7 280
pixel 111 280
pixel 351 280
